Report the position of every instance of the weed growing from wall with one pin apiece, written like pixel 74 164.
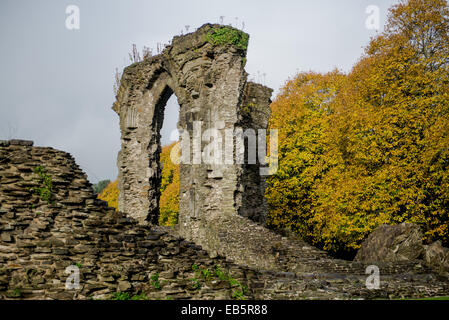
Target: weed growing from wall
pixel 226 35
pixel 239 291
pixel 45 190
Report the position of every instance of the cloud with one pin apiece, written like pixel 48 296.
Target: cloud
pixel 56 84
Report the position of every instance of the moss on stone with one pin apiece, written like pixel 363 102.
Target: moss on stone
pixel 227 35
pixel 246 109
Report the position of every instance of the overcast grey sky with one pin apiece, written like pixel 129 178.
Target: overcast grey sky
pixel 56 84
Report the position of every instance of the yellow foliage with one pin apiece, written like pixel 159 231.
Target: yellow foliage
pixel 169 205
pixel 110 195
pixel 371 147
pixel 169 201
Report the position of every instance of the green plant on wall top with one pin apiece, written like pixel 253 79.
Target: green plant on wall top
pixel 227 35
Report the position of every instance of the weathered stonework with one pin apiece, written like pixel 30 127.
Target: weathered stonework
pixel 222 207
pixel 114 253
pixel 211 86
pixel 39 240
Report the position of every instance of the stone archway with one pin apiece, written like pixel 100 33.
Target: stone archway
pixel 205 70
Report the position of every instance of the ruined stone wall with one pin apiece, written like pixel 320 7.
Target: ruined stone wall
pixel 222 207
pixel 209 82
pixel 254 115
pixel 115 253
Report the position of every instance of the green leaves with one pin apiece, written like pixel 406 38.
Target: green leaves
pixel 100 186
pixel 227 35
pixel 45 189
pixel 155 281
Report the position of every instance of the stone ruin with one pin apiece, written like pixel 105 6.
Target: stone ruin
pixel 211 86
pixel 221 207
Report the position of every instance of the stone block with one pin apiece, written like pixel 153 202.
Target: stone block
pixel 18 142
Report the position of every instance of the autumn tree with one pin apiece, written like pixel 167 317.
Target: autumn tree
pixel 384 144
pixel 301 112
pixel 169 201
pixel 100 185
pixel 110 194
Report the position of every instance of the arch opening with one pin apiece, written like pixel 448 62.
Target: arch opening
pixel 169 176
pixel 215 99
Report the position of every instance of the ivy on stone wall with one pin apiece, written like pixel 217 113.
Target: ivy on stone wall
pixel 45 188
pixel 227 35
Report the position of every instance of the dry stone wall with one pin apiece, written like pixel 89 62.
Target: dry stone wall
pixel 116 253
